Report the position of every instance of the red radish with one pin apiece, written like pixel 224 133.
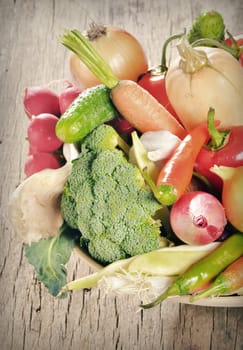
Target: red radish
pixel 40 161
pixel 39 100
pixel 198 218
pixel 121 125
pixel 41 133
pixel 67 96
pixel 32 150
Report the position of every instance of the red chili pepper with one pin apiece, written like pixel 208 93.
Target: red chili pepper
pixel 176 174
pixel 224 148
pixel 227 282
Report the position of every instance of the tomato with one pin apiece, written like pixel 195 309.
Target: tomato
pixel 239 42
pixel 154 82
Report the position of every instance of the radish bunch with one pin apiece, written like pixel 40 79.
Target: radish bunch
pixel 43 107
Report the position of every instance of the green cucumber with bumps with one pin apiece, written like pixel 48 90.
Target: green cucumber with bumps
pixel 90 109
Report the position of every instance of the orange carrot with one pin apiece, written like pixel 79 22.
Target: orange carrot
pixel 176 174
pixel 142 110
pixel 133 102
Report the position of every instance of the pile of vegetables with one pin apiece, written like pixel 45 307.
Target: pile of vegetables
pixel 144 175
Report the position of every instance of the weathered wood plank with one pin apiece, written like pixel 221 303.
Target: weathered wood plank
pixel 30 317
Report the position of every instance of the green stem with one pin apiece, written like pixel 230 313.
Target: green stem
pixel 123 145
pixel 163 65
pixel 171 291
pixel 77 43
pixel 217 137
pixel 234 51
pixel 165 194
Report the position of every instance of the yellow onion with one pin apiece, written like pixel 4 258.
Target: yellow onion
pixel 232 198
pixel 205 77
pixel 120 49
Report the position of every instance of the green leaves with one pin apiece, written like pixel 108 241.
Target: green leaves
pixel 49 256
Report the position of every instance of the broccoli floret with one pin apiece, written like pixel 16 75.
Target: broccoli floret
pixel 207 25
pixel 111 205
pixel 104 250
pixel 142 239
pixel 104 137
pixel 72 187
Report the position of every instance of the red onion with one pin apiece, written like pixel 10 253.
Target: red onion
pixel 198 218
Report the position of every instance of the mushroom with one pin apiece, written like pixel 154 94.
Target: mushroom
pixel 34 206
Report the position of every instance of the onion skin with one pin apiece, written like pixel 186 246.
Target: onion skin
pixel 121 51
pixel 198 218
pixel 219 85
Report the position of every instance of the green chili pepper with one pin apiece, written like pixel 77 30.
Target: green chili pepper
pixel 204 270
pixel 227 282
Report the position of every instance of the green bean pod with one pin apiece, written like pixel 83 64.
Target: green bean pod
pixel 227 282
pixel 203 271
pixel 90 109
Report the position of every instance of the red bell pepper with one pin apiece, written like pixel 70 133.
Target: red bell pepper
pixel 224 148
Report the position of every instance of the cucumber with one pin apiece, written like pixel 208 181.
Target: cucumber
pixel 90 109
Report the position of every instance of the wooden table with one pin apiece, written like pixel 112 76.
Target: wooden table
pixel 87 320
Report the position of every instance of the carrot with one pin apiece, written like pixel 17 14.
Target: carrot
pixel 133 102
pixel 227 282
pixel 176 174
pixel 142 110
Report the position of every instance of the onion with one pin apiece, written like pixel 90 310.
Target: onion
pixel 159 144
pixel 232 178
pixel 204 77
pixel 120 49
pixel 198 218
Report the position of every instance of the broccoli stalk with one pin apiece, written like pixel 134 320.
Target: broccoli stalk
pixel 139 156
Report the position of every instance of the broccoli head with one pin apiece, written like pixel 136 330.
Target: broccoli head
pixel 104 138
pixel 207 25
pixel 106 198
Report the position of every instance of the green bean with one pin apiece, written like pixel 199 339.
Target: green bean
pixel 203 271
pixel 227 282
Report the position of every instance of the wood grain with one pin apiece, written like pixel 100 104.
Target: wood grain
pixel 30 318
